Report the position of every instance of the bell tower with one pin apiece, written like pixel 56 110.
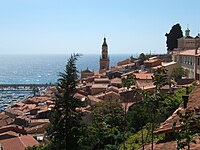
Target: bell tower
pixel 104 59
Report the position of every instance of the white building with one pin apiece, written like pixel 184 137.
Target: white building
pixel 190 60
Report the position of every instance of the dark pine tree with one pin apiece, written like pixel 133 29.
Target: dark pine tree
pixel 174 34
pixel 65 128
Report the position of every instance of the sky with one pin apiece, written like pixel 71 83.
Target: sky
pixel 79 26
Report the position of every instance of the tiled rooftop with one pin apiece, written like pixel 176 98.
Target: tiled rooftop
pixel 190 52
pixel 18 143
pixel 193 102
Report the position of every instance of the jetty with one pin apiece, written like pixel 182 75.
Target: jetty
pixel 25 87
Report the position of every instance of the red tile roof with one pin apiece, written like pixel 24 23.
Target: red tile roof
pixel 190 52
pixel 172 146
pixel 193 102
pixel 145 76
pixel 18 143
pixel 116 81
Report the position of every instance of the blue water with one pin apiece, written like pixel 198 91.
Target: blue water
pixel 44 68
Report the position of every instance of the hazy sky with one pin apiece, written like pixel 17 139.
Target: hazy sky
pixel 66 26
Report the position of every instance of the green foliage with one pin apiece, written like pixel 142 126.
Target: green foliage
pixel 156 107
pixel 135 141
pixel 142 57
pixel 128 81
pixel 174 34
pixel 160 78
pixel 137 117
pixel 178 73
pixel 105 132
pixel 173 101
pixel 65 128
pixel 190 126
pixel 42 146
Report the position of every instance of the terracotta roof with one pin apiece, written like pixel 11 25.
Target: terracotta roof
pixel 143 75
pixel 114 71
pixel 94 99
pixel 8 134
pixel 107 94
pixel 151 60
pixel 193 102
pixel 113 88
pixel 116 81
pixel 13 128
pixel 124 66
pixel 101 79
pixel 13 111
pixel 78 95
pixel 190 52
pixel 5 119
pixel 144 83
pixel 125 61
pixel 172 145
pixel 38 129
pixel 18 104
pixel 128 73
pixel 99 85
pixel 18 143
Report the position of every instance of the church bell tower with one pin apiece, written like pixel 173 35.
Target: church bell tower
pixel 104 59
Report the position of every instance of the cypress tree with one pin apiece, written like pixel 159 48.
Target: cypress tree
pixel 65 119
pixel 174 34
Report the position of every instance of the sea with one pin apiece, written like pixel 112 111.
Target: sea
pixel 39 69
pixel 35 69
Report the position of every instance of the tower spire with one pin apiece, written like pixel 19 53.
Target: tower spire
pixel 187 26
pixel 187 31
pixel 104 42
pixel 104 60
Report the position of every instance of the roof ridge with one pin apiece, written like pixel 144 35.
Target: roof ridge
pixel 22 141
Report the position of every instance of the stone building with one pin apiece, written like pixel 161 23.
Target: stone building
pixel 104 59
pixel 188 42
pixel 86 73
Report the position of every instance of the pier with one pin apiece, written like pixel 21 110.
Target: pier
pixel 26 87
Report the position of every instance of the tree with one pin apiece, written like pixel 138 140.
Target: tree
pixel 189 122
pixel 65 128
pixel 142 58
pixel 137 117
pixel 160 78
pixel 128 81
pixel 155 103
pixel 106 129
pixel 178 73
pixel 174 34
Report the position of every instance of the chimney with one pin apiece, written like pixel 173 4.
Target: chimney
pixel 187 90
pixel 196 51
pixel 185 100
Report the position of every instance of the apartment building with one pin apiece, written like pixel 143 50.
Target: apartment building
pixel 190 60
